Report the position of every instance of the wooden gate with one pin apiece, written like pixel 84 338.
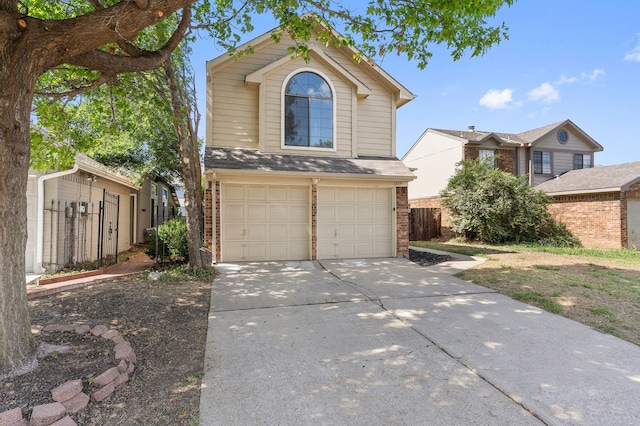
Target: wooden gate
pixel 424 224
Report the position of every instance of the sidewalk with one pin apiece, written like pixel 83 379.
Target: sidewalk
pixel 136 264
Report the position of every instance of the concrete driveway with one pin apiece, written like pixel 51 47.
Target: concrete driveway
pixel 385 341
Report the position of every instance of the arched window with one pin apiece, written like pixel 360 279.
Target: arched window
pixel 308 111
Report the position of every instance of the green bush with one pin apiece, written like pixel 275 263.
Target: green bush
pixel 496 207
pixel 172 239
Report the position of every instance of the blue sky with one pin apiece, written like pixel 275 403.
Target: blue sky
pixel 565 59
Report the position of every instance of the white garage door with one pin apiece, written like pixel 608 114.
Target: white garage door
pixel 355 223
pixel 264 222
pixel 633 223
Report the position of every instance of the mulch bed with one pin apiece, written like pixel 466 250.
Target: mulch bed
pixel 425 258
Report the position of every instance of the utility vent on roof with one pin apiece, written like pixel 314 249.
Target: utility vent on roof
pixel 472 128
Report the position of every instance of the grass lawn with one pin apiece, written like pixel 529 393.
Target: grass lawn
pixel 599 288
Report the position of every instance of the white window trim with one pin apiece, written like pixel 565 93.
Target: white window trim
pixel 334 113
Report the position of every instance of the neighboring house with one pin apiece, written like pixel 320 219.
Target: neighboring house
pixel 539 154
pixel 86 214
pixel 301 159
pixel 156 203
pixel 601 205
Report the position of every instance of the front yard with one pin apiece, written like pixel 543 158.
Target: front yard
pixel 599 288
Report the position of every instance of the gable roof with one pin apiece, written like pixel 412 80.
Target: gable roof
pixel 403 95
pixel 597 179
pixel 252 161
pixel 477 136
pixel 527 138
pixel 534 135
pixel 91 166
pixel 361 89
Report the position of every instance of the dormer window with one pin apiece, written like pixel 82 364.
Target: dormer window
pixel 308 112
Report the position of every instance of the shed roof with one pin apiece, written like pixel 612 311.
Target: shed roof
pixel 597 179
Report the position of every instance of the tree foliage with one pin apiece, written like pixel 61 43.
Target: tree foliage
pixel 494 206
pixel 172 235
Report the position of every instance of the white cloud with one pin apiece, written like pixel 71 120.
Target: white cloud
pixel 497 99
pixel 449 89
pixel 593 76
pixel 545 93
pixel 634 55
pixel 565 80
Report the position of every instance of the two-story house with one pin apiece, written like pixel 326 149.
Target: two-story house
pixel 539 154
pixel 300 157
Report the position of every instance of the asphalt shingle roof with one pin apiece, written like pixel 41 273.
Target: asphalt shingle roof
pixel 508 139
pixel 253 160
pixel 617 177
pixel 527 138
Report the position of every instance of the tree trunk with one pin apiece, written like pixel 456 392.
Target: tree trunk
pixel 189 162
pixel 17 346
pixel 192 181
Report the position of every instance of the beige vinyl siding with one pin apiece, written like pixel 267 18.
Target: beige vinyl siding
pixel 74 188
pixel 233 112
pixel 375 115
pixel 273 119
pixel 375 124
pixel 434 156
pixel 232 115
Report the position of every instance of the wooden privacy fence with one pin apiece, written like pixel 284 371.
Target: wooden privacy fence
pixel 424 224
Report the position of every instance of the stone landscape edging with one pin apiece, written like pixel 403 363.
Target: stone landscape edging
pixel 52 280
pixel 69 398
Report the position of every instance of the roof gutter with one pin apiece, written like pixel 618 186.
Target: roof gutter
pixel 324 175
pixel 582 191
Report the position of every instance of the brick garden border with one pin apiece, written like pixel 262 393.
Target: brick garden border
pixel 69 398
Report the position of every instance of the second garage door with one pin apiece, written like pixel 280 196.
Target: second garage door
pixel 264 222
pixel 355 222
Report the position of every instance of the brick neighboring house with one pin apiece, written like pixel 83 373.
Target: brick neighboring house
pixel 300 158
pixel 539 154
pixel 600 205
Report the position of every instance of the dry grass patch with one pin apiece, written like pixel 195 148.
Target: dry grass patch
pixel 600 291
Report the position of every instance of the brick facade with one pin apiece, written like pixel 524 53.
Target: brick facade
pixel 505 158
pixel 402 222
pixel 598 220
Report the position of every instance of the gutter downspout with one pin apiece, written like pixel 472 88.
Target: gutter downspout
pixel 40 220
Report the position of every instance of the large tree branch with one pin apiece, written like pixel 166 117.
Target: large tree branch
pixel 140 60
pixel 68 40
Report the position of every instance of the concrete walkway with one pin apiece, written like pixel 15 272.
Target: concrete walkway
pixel 385 341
